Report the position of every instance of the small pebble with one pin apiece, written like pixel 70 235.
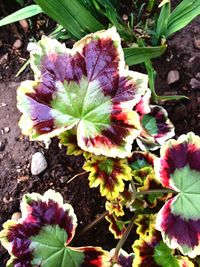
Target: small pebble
pixel 17 44
pixel 24 24
pixel 63 179
pixel 198 75
pixel 2 145
pixel 4 59
pixel 197 43
pixel 6 129
pixel 173 76
pixel 3 105
pixel 38 163
pixel 16 216
pixel 194 83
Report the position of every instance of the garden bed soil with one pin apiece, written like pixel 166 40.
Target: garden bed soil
pixel 16 150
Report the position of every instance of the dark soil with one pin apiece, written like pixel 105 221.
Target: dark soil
pixel 16 150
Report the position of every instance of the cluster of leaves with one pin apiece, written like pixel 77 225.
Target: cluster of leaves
pixel 81 17
pixel 97 107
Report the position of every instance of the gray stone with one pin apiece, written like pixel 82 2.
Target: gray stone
pixel 6 129
pixel 194 83
pixel 38 163
pixel 173 76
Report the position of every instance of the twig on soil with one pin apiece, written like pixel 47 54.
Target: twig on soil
pixel 75 176
pixel 92 224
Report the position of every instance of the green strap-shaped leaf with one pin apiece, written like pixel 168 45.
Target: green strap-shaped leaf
pixel 183 14
pixel 162 22
pixel 23 13
pixel 139 55
pixel 72 15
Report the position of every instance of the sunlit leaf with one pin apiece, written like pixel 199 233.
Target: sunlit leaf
pixel 156 126
pixel 183 14
pixel 124 259
pixel 137 55
pixel 109 174
pixel 142 165
pixel 115 207
pixel 23 13
pixel 72 15
pixel 116 227
pixel 69 139
pixel 87 88
pixel 179 169
pixel 151 251
pixel 145 225
pixel 162 22
pixel 42 235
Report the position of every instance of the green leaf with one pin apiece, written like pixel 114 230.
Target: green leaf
pixel 72 15
pixel 183 14
pixel 162 23
pixel 109 174
pixel 178 169
pixel 42 235
pixel 21 2
pixel 163 256
pixel 139 55
pixel 52 251
pixel 149 123
pixel 23 13
pixel 82 95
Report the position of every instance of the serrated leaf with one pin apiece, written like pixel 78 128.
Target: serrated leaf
pixel 145 225
pixel 124 259
pixel 178 169
pixel 109 174
pixel 156 126
pixel 116 226
pixel 139 55
pixel 42 235
pixel 142 164
pixel 69 139
pixel 151 251
pixel 115 207
pixel 23 13
pixel 86 88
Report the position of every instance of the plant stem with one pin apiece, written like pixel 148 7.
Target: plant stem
pixel 92 224
pixel 133 187
pixel 124 237
pixel 75 176
pixel 153 191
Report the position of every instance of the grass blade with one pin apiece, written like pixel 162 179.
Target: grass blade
pixel 139 55
pixel 23 13
pixel 72 15
pixel 162 23
pixel 182 15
